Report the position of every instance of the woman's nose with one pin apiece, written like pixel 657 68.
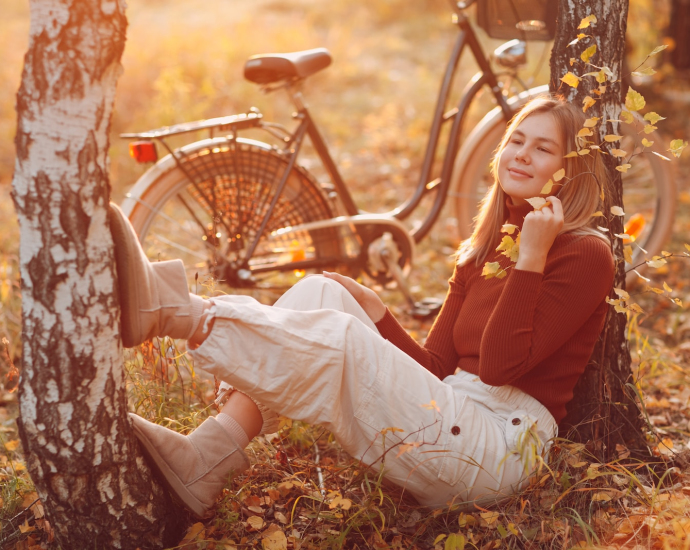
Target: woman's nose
pixel 521 155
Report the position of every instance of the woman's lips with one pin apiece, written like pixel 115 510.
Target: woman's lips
pixel 517 172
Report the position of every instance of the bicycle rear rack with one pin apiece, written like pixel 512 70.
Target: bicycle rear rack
pixel 252 119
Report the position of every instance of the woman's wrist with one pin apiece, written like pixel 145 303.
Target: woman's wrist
pixel 531 262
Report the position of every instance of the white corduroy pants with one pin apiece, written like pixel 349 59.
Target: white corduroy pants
pixel 316 356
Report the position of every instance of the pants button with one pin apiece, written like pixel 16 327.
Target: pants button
pixel 455 430
pixel 516 421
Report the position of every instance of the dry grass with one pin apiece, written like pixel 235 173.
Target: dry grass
pixel 374 105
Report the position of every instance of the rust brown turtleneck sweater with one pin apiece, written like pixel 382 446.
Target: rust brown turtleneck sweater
pixel 530 330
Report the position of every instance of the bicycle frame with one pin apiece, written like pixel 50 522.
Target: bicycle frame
pixel 485 77
pixel 293 140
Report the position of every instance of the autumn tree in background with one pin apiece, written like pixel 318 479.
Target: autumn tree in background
pixel 603 409
pixel 81 453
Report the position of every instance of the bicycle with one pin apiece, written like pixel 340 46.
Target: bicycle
pixel 250 214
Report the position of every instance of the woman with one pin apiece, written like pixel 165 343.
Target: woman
pixel 472 406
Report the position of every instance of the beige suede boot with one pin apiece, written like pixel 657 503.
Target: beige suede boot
pixel 196 466
pixel 154 297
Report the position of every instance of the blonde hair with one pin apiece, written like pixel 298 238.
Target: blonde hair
pixel 584 176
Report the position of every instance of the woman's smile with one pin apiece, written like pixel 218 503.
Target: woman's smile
pixel 532 155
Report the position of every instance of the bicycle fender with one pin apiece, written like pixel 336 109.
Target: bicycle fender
pixel 167 163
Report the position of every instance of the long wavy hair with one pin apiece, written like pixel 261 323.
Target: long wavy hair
pixel 585 176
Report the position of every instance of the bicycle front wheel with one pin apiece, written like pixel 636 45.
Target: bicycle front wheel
pixel 208 207
pixel 649 189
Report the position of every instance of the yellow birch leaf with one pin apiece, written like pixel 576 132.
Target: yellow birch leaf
pixel 255 522
pixel 275 540
pixel 508 228
pixel 677 146
pixel 195 531
pixel 656 262
pixel 591 122
pixel 570 155
pixel 612 137
pixel 623 167
pixel 627 117
pixel 667 288
pixel 547 188
pixel 658 49
pixel 588 53
pixel 601 496
pixel 439 539
pixel 537 202
pixel 25 527
pixel 665 448
pixel 587 102
pixel 647 143
pixel 598 214
pixel 12 445
pixel 572 59
pixel 617 211
pixel 601 77
pixel 587 21
pixel 493 269
pixel 687 246
pixel 628 254
pixel 621 293
pixel 571 80
pixel 280 517
pixel 647 71
pixel 584 132
pixel 489 517
pixel 602 195
pixel 583 152
pixel 653 118
pixel 649 128
pixel 618 153
pixel 558 176
pixel 634 101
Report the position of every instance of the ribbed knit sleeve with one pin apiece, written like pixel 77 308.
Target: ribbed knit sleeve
pixel 438 355
pixel 536 314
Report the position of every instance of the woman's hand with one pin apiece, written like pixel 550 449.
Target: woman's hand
pixel 540 229
pixel 366 298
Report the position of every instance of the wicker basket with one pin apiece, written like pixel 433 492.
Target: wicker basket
pixel 522 19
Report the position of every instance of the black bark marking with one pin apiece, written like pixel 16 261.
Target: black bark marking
pixel 75 222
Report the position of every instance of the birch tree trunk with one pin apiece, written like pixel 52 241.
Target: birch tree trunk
pixel 80 450
pixel 603 409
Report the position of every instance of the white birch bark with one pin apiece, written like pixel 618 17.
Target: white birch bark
pixel 603 408
pixel 81 453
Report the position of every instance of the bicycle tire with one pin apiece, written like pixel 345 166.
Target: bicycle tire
pixel 648 187
pixel 210 222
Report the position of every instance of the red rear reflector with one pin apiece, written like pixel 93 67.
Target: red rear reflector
pixel 143 151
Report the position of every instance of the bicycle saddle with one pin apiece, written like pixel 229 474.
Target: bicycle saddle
pixel 274 67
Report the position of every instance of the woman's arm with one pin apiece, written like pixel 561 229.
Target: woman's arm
pixel 438 355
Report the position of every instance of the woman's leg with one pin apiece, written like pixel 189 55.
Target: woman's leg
pixel 329 368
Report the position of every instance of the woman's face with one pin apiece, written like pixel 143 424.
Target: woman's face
pixel 532 155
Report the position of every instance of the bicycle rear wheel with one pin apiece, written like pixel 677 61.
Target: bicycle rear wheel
pixel 208 211
pixel 649 189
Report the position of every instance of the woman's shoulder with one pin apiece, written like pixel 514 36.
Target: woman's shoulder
pixel 588 251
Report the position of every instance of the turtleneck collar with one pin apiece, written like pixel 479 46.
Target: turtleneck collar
pixel 516 214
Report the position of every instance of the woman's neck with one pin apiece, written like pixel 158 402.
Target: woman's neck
pixel 517 213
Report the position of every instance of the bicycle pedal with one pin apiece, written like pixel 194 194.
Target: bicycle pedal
pixel 426 308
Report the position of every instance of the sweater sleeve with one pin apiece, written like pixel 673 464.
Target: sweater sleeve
pixel 537 313
pixel 438 355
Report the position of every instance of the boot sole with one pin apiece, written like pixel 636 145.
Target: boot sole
pixel 170 479
pixel 128 289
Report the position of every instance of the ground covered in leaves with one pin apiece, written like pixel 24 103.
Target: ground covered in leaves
pixel 302 490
